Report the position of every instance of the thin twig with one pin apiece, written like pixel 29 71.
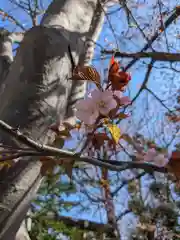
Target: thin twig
pixel 172 17
pixel 157 98
pixel 156 56
pixel 4 14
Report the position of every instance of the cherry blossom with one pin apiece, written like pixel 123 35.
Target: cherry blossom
pixel 97 103
pixel 154 157
pixel 150 155
pixel 125 101
pixel 87 111
pixel 118 94
pixel 122 100
pixel 104 101
pixel 161 160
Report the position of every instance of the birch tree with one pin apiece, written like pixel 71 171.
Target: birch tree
pixel 36 92
pixel 43 94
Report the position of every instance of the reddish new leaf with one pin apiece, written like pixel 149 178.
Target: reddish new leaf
pixel 48 164
pixel 87 73
pixel 174 164
pixel 116 77
pixel 99 139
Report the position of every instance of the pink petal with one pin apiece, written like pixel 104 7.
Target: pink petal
pixel 150 155
pixel 125 101
pixel 92 119
pixel 83 104
pixel 139 156
pixel 104 110
pixel 118 94
pixel 82 115
pixel 108 106
pixel 160 160
pixel 96 95
pixel 112 104
pixel 88 117
pixel 106 95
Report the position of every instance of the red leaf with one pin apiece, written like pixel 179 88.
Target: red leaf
pixel 114 66
pixel 175 156
pixel 48 164
pixel 99 139
pixel 87 73
pixel 117 78
pixel 174 164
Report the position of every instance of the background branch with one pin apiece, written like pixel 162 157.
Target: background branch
pixel 172 17
pixel 156 56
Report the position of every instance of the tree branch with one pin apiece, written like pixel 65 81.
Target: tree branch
pixel 45 150
pixel 172 17
pixel 81 224
pixel 123 214
pixel 158 99
pixel 144 82
pixel 156 56
pixel 4 14
pixel 127 182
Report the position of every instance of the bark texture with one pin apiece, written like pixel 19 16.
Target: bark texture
pixel 37 92
pixel 6 55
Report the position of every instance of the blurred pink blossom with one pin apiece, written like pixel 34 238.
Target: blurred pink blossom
pixel 150 155
pixel 98 102
pixel 161 160
pixel 87 111
pixel 154 157
pixel 125 101
pixel 118 94
pixel 122 100
pixel 104 101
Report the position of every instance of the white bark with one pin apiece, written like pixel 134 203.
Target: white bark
pixel 6 55
pixel 37 92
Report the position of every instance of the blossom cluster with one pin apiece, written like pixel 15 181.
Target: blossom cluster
pixel 154 157
pixel 105 104
pixel 99 104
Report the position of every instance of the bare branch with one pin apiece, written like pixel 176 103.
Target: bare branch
pixel 157 98
pixel 82 224
pixel 45 150
pixel 156 56
pixel 144 82
pixel 172 17
pixel 126 182
pixel 4 14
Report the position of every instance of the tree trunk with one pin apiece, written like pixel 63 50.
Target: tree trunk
pixel 37 92
pixel 6 55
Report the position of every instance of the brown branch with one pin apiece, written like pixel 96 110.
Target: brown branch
pixel 45 150
pixel 144 82
pixel 80 224
pixel 158 99
pixel 4 14
pixel 143 86
pixel 156 56
pixel 32 13
pixel 172 17
pixel 127 182
pixel 123 214
pixel 129 13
